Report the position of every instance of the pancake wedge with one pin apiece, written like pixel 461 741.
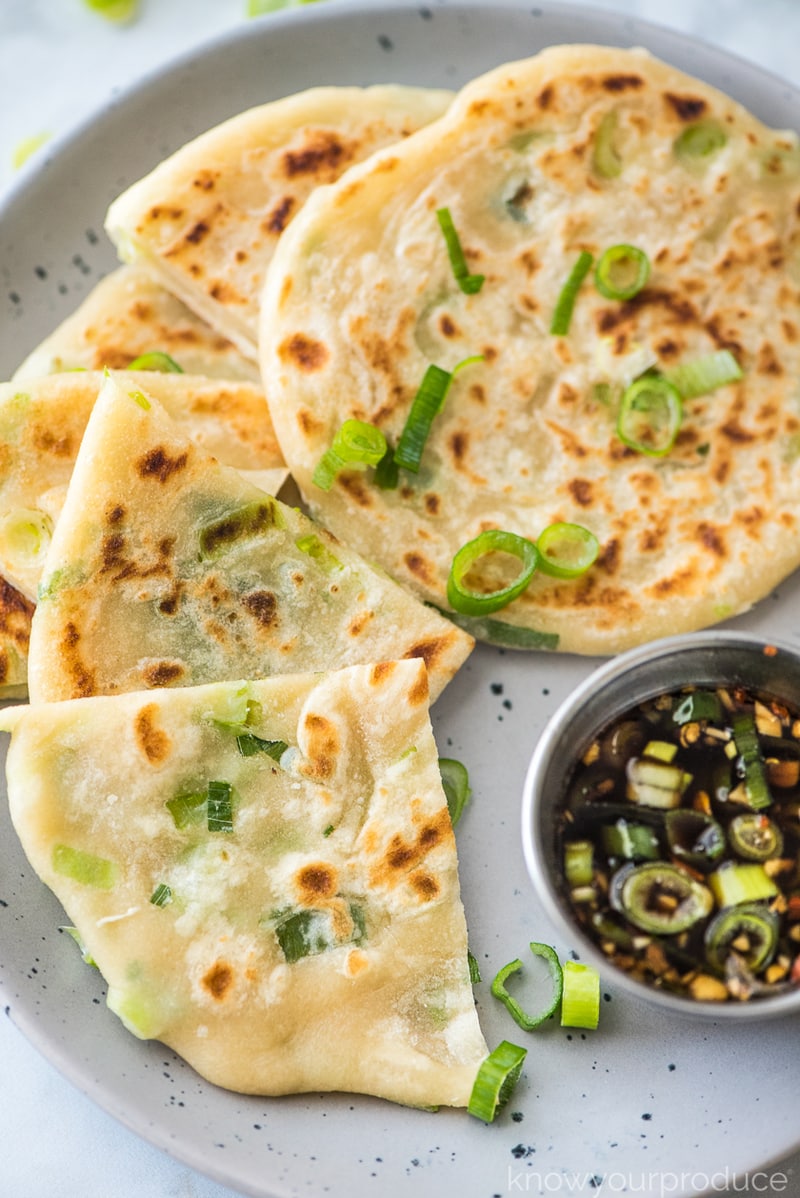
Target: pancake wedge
pixel 287 920
pixel 207 219
pixel 42 422
pixel 577 151
pixel 128 314
pixel 167 568
pixel 16 613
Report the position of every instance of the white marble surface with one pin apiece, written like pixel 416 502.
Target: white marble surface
pixel 59 63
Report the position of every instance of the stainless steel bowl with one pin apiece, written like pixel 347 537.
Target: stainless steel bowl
pixel 702 659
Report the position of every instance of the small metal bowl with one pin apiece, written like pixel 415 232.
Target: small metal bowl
pixel 701 659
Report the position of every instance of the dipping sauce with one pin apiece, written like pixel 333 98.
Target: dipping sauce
pixel 680 840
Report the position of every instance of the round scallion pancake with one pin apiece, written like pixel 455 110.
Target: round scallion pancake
pixel 575 151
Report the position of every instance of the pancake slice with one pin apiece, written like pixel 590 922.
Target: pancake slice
pixel 128 314
pixel 576 152
pixel 167 568
pixel 42 422
pixel 16 613
pixel 287 920
pixel 207 219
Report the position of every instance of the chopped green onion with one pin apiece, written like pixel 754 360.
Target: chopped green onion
pixel 25 534
pixel 498 987
pixel 562 316
pixel 474 968
pixel 745 737
pixel 328 830
pixel 579 862
pixel 455 783
pixel 495 1080
pixel 580 1003
pixel 257 8
pixel 387 472
pixel 698 705
pixel 76 936
pixel 622 272
pixel 755 837
pixel 654 783
pixel 741 882
pixel 567 550
pixel 605 159
pixel 630 841
pixel 316 549
pixel 661 898
pixel 705 374
pixel 750 930
pixel 426 405
pixel 356 445
pixel 650 415
pixel 494 540
pixel 219 808
pixel 156 360
pixel 469 283
pixel 24 149
pixel 700 140
pixel 115 10
pixel 161 895
pixel 141 399
pixel 244 524
pixel 185 809
pixel 84 867
pixel 248 745
pixel 309 932
pixel 497 632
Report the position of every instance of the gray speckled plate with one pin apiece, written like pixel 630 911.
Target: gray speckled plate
pixel 644 1105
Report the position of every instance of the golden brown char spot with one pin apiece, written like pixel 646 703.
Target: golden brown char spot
pixel 622 83
pixel 429 650
pixel 419 692
pixel 789 330
pixel 459 444
pixel 323 746
pixel 447 326
pixel 316 881
pixel 83 679
pixel 767 361
pixel 218 980
pixel 581 491
pixel 115 514
pixel 278 218
pixel 733 430
pixel 688 108
pixel 224 293
pixel 198 232
pixel 545 97
pixel 403 856
pixel 205 180
pixel 16 613
pixel 162 673
pixel 324 154
pixel 608 559
pixel 359 623
pixel 355 486
pixel 424 886
pixel 711 538
pixel 262 606
pixel 161 212
pixel 47 441
pixel 432 503
pixel 157 463
pixel 308 423
pixel 153 741
pixel 419 566
pixel 569 442
pixel 304 352
pixel 381 672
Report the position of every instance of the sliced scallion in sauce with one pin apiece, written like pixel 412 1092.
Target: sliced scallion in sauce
pixel 621 272
pixel 455 783
pixel 567 550
pixel 469 283
pixel 426 405
pixel 357 444
pixel 464 598
pixel 495 1080
pixel 562 316
pixel 156 360
pixel 705 374
pixel 650 415
pixel 580 1000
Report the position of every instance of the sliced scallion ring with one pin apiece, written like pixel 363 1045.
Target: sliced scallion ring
pixel 356 445
pixel 156 360
pixel 495 1081
pixel 605 159
pixel 469 283
pixel 705 374
pixel 455 783
pixel 527 1022
pixel 622 272
pixel 562 316
pixel 650 415
pixel 494 540
pixel 580 1001
pixel 567 550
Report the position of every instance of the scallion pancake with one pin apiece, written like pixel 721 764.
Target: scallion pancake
pixel 42 422
pixel 128 314
pixel 573 152
pixel 287 918
pixel 168 568
pixel 207 219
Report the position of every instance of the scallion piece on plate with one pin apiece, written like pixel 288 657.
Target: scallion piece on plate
pixel 495 1080
pixel 700 140
pixel 219 809
pixel 562 316
pixel 455 783
pixel 115 10
pixel 621 272
pixel 650 415
pixel 580 1001
pixel 356 445
pixel 463 598
pixel 527 1022
pixel 567 550
pixel 469 283
pixel 705 374
pixel 605 159
pixel 156 360
pixel 161 895
pixel 474 968
pixel 24 149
